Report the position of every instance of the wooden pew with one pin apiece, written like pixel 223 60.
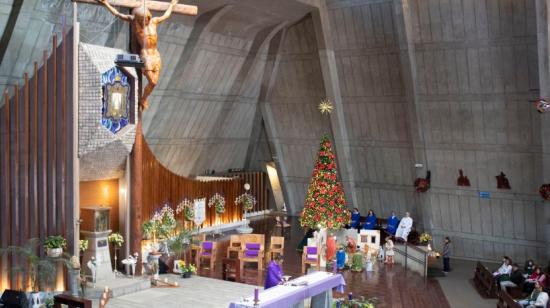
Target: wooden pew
pixel 484 281
pixel 505 300
pixel 71 302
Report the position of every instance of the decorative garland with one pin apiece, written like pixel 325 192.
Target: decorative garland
pixel 246 200
pixel 544 191
pixel 187 208
pixel 423 184
pixel 218 202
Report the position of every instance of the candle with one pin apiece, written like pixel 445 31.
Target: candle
pixel 256 295
pixel 334 266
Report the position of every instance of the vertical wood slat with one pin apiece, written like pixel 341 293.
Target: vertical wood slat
pixel 6 192
pixel 14 168
pixel 28 174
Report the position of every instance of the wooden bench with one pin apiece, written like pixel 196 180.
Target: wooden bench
pixel 484 281
pixel 505 300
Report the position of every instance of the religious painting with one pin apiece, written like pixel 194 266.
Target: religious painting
pixel 462 179
pixel 115 108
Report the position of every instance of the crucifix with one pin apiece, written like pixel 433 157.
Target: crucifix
pixel 144 30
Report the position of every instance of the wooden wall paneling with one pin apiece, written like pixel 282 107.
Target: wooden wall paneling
pixel 23 210
pixel 33 124
pixel 60 141
pixel 51 208
pixel 5 210
pixel 43 152
pixel 14 171
pixel 68 137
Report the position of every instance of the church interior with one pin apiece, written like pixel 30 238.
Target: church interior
pixel 260 153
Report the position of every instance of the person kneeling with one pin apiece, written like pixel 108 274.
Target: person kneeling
pixel 274 272
pixel 538 298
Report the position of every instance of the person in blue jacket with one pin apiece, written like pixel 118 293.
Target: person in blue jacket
pixel 393 222
pixel 355 217
pixel 370 223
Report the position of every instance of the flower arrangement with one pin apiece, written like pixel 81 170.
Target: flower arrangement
pixel 161 225
pixel 425 238
pixel 116 239
pixel 544 191
pixel 83 245
pixel 218 202
pixel 246 200
pixel 184 268
pixel 187 208
pixel 74 262
pixel 360 302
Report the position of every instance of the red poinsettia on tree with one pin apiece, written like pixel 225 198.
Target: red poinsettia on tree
pixel 325 205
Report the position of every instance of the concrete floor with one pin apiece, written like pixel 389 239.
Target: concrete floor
pixel 458 288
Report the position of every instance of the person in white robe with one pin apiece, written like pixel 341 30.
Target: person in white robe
pixel 404 227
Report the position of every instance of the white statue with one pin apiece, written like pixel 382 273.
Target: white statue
pixel 93 265
pixel 130 263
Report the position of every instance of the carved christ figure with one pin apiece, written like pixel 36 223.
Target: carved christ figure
pixel 144 29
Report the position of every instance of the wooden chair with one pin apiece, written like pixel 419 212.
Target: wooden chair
pixel 235 245
pixel 196 247
pixel 252 253
pixel 276 246
pixel 311 256
pixel 208 251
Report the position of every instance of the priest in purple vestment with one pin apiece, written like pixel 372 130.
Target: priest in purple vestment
pixel 274 272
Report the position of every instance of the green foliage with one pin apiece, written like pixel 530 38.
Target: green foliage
pixel 42 271
pixel 181 242
pixel 325 205
pixel 49 302
pixel 55 241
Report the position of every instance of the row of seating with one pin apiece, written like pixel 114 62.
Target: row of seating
pixel 248 248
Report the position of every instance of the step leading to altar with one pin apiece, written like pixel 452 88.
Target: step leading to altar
pixel 118 286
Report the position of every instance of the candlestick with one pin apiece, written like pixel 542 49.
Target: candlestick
pixel 256 296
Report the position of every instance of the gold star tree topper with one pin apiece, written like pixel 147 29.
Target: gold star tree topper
pixel 326 106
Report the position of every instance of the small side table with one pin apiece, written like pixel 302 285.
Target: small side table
pixel 231 269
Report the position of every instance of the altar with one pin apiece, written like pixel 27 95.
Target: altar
pixel 317 286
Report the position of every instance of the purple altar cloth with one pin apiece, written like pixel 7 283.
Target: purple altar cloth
pixel 288 295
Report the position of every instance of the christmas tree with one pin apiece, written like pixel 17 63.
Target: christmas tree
pixel 325 204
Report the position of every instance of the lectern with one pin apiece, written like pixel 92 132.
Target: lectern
pixel 96 229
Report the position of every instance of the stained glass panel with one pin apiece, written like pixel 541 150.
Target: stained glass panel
pixel 115 108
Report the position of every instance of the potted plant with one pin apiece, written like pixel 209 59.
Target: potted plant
pixel 179 245
pixel 186 270
pixel 41 271
pixel 350 302
pixel 54 245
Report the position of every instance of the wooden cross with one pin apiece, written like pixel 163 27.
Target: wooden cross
pixel 183 9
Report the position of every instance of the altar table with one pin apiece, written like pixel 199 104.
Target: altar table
pixel 319 288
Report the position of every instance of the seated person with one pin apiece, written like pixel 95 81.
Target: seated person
pixel 355 218
pixel 351 244
pixel 274 274
pixel 393 222
pixel 536 277
pixel 529 267
pixel 370 223
pixel 538 298
pixel 504 270
pixel 516 278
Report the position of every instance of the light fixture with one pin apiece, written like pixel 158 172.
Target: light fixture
pixel 246 186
